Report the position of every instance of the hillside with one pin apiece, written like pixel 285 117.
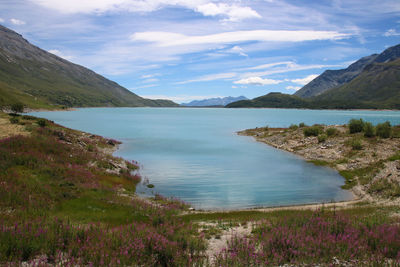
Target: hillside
pixel 334 78
pixel 217 101
pixel 272 100
pixel 378 86
pixel 39 79
pixel 375 87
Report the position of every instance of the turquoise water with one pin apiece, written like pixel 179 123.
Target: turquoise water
pixel 195 154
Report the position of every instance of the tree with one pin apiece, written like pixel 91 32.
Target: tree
pixel 17 108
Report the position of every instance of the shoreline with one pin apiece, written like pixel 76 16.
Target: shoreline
pixel 335 154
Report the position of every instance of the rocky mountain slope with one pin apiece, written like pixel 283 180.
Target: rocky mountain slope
pixel 37 78
pixel 376 86
pixel 335 78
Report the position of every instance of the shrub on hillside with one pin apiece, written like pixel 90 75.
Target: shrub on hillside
pixel 14 120
pixel 322 138
pixel 302 124
pixel 356 126
pixel 384 130
pixel 356 144
pixel 312 131
pixel 331 131
pixel 369 130
pixel 42 122
pixel 293 127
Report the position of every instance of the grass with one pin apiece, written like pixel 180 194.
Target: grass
pixel 57 207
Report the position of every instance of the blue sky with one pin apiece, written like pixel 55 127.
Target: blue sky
pixel 194 49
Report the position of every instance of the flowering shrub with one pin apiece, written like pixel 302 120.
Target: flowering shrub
pixel 57 206
pixel 313 239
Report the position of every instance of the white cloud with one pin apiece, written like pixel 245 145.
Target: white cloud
pixel 238 50
pixel 305 80
pixel 257 81
pixel 391 32
pixel 147 76
pixel 165 39
pixel 211 77
pixel 17 22
pixel 288 68
pixel 270 65
pixel 150 80
pixel 233 12
pixel 60 54
pixel 290 87
pixel 1 20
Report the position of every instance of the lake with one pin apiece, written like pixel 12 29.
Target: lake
pixel 195 154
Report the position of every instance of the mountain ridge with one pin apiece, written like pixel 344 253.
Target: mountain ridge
pixel 377 86
pixel 38 79
pixel 216 101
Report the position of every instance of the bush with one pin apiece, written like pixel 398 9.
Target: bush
pixel 293 127
pixel 322 138
pixel 312 131
pixel 42 122
pixel 17 108
pixel 384 130
pixel 331 131
pixel 14 120
pixel 302 124
pixel 356 126
pixel 369 130
pixel 356 144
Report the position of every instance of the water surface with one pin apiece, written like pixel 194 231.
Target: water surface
pixel 195 154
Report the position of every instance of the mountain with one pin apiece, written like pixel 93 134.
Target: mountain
pixel 272 100
pixel 40 79
pixel 218 101
pixel 333 78
pixel 377 86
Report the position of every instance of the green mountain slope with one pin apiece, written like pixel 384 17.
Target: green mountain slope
pixel 377 86
pixel 333 78
pixel 40 79
pixel 271 100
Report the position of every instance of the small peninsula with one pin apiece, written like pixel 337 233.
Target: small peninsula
pixel 366 157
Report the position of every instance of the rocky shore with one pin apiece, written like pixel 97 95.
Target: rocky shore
pixel 371 166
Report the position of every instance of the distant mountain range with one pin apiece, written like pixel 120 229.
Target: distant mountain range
pixel 39 79
pixel 373 82
pixel 218 101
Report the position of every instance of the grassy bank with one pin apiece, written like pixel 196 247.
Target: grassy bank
pixel 64 200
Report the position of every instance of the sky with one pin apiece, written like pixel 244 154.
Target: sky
pixel 185 50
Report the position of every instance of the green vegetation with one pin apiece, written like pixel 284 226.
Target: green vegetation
pixel 331 132
pixel 384 130
pixel 17 108
pixel 369 129
pixel 293 127
pixel 356 126
pixel 314 130
pixel 14 120
pixel 60 208
pixel 38 79
pixel 356 143
pixel 322 138
pixel 373 86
